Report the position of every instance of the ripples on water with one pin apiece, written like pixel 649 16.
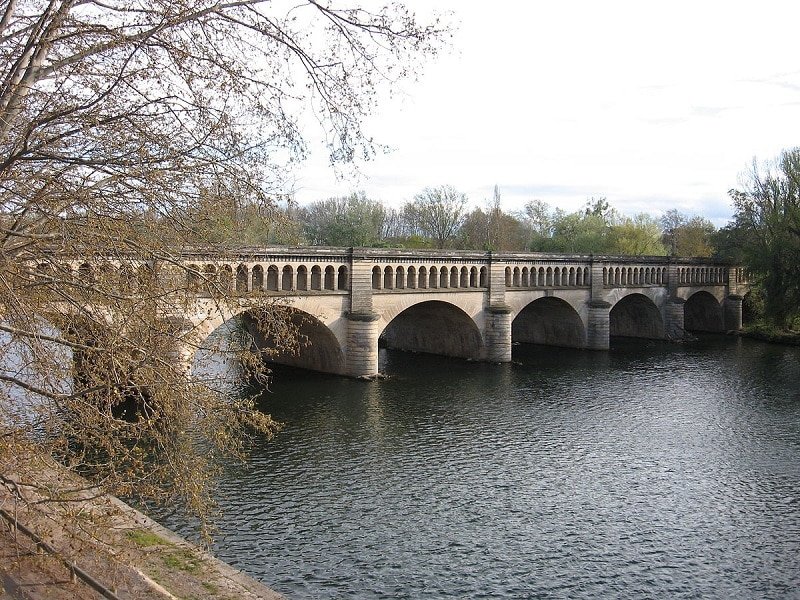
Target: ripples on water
pixel 653 470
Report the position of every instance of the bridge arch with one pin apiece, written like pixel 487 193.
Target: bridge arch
pixel 551 321
pixel 435 327
pixel 636 315
pixel 320 349
pixel 703 312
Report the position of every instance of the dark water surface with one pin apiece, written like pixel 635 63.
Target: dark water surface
pixel 650 471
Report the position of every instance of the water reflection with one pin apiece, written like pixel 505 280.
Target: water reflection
pixel 653 470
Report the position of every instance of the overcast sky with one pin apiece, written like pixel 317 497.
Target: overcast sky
pixel 652 105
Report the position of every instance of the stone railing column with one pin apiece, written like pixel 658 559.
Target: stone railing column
pixel 733 281
pixel 673 279
pixel 497 315
pixel 596 282
pixel 361 353
pixel 733 312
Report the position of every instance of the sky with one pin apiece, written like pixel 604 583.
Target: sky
pixel 652 105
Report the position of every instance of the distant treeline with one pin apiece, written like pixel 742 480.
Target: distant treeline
pixel 764 234
pixel 439 218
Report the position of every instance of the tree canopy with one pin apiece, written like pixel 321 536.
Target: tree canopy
pixel 437 213
pixel 766 233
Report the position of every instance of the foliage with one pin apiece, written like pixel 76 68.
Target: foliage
pixel 493 229
pixel 768 218
pixel 637 236
pixel 437 217
pixel 212 221
pixel 129 128
pixel 687 236
pixel 536 215
pixel 354 220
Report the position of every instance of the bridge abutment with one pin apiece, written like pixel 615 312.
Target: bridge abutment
pixel 599 328
pixel 733 312
pixel 361 352
pixel 497 336
pixel 361 357
pixel 674 315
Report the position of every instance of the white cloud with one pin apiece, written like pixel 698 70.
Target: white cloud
pixel 654 106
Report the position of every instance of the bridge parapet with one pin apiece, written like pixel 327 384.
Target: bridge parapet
pixel 637 275
pixel 325 270
pixel 548 273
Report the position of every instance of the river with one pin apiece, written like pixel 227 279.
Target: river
pixel 651 470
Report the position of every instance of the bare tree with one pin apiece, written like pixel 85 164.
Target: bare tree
pixel 671 223
pixel 437 213
pixel 118 120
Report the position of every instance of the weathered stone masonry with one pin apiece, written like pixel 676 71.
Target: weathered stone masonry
pixel 468 304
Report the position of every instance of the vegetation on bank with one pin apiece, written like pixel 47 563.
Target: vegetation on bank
pixel 765 332
pixel 765 236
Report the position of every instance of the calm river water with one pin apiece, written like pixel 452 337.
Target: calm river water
pixel 654 470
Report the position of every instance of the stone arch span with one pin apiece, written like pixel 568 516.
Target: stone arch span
pixel 322 323
pixel 636 315
pixel 703 312
pixel 435 327
pixel 550 321
pixel 320 349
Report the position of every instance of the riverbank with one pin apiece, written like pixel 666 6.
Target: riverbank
pixel 92 545
pixel 768 333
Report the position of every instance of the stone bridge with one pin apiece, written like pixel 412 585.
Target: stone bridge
pixel 472 305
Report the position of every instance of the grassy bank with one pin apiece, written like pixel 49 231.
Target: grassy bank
pixel 769 333
pixel 96 542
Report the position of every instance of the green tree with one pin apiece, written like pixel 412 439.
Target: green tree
pixel 687 236
pixel 638 236
pixel 538 218
pixel 767 218
pixel 671 221
pixel 353 220
pixel 696 237
pixel 581 232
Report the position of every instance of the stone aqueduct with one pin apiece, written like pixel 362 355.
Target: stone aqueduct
pixel 472 305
